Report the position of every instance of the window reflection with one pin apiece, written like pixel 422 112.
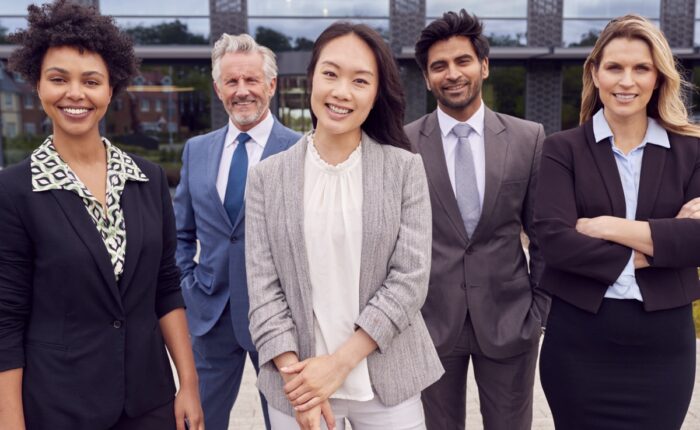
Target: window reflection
pixel 18 7
pixel 141 7
pixel 572 85
pixel 607 8
pixel 495 9
pixel 167 31
pixel 8 26
pixel 357 8
pixel 293 98
pixel 502 32
pixel 584 32
pixel 281 34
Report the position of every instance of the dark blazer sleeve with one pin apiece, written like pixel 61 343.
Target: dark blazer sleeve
pixel 677 241
pixel 185 221
pixel 168 294
pixel 556 213
pixel 16 258
pixel 541 299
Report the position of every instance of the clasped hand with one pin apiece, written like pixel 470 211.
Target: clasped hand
pixel 315 380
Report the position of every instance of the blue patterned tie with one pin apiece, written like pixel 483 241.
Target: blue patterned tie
pixel 237 173
pixel 465 179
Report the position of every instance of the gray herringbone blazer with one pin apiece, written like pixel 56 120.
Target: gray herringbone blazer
pixel 395 265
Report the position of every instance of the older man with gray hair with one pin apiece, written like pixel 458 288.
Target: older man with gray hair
pixel 209 208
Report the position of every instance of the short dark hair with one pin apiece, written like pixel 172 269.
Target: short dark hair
pixel 385 121
pixel 65 23
pixel 451 24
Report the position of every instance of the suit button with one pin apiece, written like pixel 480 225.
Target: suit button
pixel 233 240
pixel 470 251
pixel 464 286
pixel 117 324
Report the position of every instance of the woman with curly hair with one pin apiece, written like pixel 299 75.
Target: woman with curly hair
pixel 89 289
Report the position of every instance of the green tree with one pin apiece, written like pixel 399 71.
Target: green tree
pixel 3 35
pixel 166 33
pixel 303 44
pixel 505 39
pixel 587 39
pixel 273 39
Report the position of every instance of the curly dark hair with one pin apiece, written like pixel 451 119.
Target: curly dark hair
pixel 451 24
pixel 64 23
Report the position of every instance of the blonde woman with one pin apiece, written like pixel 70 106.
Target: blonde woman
pixel 616 217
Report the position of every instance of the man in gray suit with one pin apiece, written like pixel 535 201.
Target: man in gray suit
pixel 209 210
pixel 483 303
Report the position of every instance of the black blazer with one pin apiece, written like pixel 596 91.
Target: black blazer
pixel 579 179
pixel 91 348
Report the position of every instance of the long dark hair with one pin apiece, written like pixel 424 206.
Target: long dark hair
pixel 385 121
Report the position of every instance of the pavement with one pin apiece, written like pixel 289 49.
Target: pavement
pixel 247 415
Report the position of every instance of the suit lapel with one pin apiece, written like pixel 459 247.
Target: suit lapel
pixel 653 162
pixel 372 201
pixel 495 153
pixel 605 161
pixel 273 145
pixel 430 147
pixel 77 215
pixel 216 148
pixel 293 185
pixel 130 200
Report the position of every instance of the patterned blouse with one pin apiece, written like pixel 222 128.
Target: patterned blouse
pixel 50 172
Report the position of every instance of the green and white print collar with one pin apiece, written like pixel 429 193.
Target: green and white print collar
pixel 50 172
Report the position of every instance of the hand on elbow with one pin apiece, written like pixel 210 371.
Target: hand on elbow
pixel 690 210
pixel 598 227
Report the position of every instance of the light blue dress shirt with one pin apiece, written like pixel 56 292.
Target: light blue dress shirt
pixel 630 168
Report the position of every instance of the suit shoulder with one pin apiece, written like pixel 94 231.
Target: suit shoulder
pixel 414 127
pixel 149 168
pixel 519 123
pixel 205 138
pixel 572 136
pixel 16 177
pixel 289 135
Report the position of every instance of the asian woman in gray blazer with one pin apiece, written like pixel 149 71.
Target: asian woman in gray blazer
pixel 338 252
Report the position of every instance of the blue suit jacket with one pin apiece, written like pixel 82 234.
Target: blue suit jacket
pixel 220 276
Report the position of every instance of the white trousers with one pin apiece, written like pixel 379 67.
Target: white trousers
pixel 369 415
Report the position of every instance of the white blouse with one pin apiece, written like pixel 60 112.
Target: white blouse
pixel 333 239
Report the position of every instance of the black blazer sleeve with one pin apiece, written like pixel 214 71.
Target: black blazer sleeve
pixel 168 295
pixel 556 213
pixel 677 241
pixel 16 258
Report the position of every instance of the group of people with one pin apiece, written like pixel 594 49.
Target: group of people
pixel 362 265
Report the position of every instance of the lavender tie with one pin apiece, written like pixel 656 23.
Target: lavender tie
pixel 465 179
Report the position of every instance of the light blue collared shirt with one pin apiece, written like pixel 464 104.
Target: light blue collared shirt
pixel 630 168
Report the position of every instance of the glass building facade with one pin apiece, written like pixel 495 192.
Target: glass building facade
pixel 538 48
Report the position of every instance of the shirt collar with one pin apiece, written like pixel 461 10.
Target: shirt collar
pixel 258 134
pixel 50 172
pixel 476 121
pixel 655 133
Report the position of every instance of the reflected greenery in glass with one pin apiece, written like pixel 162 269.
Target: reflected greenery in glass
pixel 572 84
pixel 166 33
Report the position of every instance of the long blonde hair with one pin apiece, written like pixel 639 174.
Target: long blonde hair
pixel 666 104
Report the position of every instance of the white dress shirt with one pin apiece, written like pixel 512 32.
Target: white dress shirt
pixel 476 141
pixel 254 147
